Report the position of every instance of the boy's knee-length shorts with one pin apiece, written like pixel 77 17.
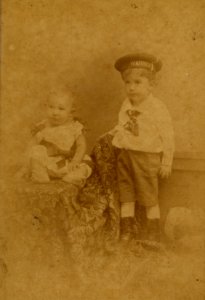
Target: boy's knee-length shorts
pixel 138 176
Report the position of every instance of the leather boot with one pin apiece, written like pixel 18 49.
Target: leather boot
pixel 153 230
pixel 128 229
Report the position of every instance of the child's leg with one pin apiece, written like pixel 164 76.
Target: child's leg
pixel 127 197
pixel 153 222
pixel 38 160
pixel 127 209
pixel 153 212
pixel 128 227
pixel 145 175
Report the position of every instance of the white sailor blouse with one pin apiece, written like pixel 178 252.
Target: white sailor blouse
pixel 146 127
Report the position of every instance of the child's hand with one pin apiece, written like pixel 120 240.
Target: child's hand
pixel 72 166
pixel 165 171
pixel 57 173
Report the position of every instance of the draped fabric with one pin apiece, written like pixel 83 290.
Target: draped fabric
pixel 86 220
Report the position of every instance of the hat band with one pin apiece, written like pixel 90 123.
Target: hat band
pixel 141 64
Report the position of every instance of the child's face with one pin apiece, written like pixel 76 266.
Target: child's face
pixel 59 109
pixel 137 86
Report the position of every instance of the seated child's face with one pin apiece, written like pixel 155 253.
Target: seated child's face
pixel 59 109
pixel 137 86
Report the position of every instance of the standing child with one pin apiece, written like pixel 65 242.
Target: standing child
pixel 145 137
pixel 58 147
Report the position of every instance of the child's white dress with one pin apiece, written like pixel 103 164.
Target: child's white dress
pixel 46 164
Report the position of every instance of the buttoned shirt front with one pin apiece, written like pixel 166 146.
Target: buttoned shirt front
pixel 146 127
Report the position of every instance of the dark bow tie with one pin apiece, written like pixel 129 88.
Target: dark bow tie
pixel 133 113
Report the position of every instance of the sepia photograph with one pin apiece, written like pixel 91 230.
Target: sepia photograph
pixel 102 156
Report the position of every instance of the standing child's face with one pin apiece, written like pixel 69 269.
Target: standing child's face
pixel 137 86
pixel 59 109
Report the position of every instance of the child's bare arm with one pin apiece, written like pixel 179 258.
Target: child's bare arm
pixel 79 153
pixel 80 149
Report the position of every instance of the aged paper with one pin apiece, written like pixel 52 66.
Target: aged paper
pixel 53 246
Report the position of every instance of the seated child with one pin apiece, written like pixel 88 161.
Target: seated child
pixel 145 140
pixel 58 147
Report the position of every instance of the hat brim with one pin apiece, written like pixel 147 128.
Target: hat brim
pixel 138 60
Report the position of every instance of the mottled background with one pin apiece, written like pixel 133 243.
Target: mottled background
pixel 50 43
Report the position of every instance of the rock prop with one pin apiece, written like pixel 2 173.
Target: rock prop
pixel 185 227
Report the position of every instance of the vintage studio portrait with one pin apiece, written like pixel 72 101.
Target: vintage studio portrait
pixel 102 150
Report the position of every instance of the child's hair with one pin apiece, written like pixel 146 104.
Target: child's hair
pixel 63 93
pixel 142 72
